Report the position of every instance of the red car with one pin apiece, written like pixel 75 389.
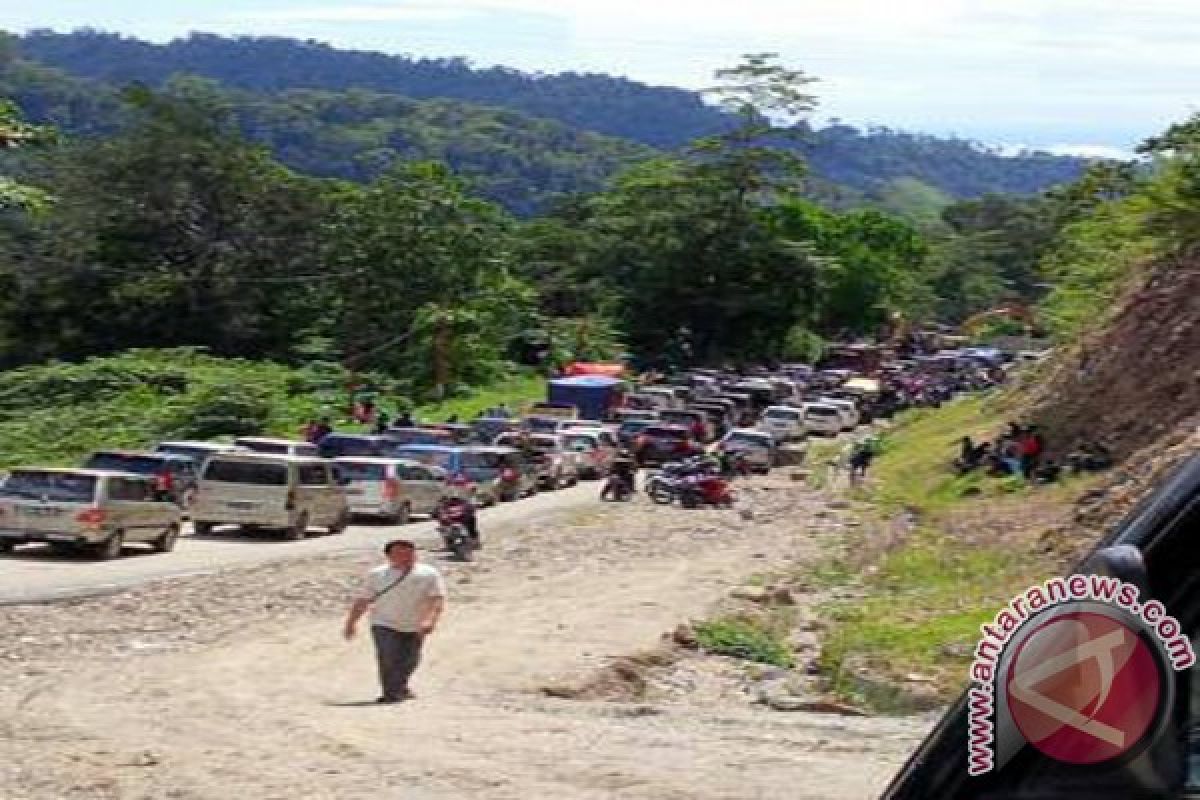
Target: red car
pixel 659 444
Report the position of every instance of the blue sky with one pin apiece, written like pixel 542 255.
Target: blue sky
pixel 1058 74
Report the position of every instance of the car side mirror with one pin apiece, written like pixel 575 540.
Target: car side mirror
pixel 1123 561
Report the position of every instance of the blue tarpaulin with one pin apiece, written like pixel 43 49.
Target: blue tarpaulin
pixel 593 395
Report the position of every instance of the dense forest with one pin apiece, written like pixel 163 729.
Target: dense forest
pixel 364 109
pixel 176 229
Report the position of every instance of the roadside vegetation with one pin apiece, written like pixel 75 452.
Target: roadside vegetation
pixel 935 557
pixel 55 414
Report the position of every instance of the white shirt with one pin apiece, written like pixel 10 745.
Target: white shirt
pixel 400 607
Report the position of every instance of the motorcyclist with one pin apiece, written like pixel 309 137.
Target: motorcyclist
pixel 469 519
pixel 624 468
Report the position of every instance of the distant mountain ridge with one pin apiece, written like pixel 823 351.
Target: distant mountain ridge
pixel 274 71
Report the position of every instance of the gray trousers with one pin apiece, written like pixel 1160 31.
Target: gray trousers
pixel 398 655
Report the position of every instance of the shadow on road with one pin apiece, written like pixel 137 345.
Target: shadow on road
pixel 44 552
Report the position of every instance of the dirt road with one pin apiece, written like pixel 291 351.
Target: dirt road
pixel 238 685
pixel 34 574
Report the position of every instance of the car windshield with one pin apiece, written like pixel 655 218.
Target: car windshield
pixel 403 437
pixel 360 472
pixel 485 461
pixel 580 442
pixel 783 414
pixel 541 425
pixel 271 448
pixel 351 446
pixel 251 472
pixel 431 458
pixel 64 487
pixel 821 412
pixel 747 438
pixel 125 462
pixel 196 454
pixel 635 425
pixel 679 417
pixel 667 433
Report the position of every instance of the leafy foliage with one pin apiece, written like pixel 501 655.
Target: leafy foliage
pixel 56 413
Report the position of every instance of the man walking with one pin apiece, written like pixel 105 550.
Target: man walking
pixel 405 599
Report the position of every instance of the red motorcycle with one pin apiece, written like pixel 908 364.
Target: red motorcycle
pixel 705 490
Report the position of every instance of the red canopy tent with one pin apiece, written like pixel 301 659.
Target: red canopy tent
pixel 607 370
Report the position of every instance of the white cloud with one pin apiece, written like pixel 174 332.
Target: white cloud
pixel 1091 151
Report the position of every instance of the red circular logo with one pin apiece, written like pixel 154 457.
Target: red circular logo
pixel 1084 688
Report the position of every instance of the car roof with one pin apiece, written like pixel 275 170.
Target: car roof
pixel 270 440
pixel 489 448
pixel 81 472
pixel 140 454
pixel 381 460
pixel 186 443
pixel 243 455
pixel 750 432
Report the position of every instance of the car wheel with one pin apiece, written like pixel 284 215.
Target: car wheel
pixel 299 530
pixel 203 528
pixel 166 542
pixel 110 548
pixel 340 524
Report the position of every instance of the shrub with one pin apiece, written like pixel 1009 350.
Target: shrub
pixel 745 638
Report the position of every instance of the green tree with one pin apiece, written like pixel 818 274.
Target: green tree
pixel 176 232
pixel 424 283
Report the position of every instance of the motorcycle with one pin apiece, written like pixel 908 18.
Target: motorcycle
pixel 669 482
pixel 705 490
pixel 617 487
pixel 453 531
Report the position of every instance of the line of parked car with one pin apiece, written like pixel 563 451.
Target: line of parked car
pixel 119 497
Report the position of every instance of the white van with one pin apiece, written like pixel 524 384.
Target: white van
pixel 785 423
pixel 99 511
pixel 849 411
pixel 258 490
pixel 391 488
pixel 822 418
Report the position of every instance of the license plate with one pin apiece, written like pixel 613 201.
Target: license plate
pixel 355 492
pixel 36 511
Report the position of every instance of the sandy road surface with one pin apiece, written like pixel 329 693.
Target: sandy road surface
pixel 34 574
pixel 238 685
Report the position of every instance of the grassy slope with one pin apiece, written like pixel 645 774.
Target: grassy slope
pixel 55 414
pixel 943 556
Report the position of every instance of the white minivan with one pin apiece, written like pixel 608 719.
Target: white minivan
pixel 823 419
pixel 262 491
pixel 390 488
pixel 849 411
pixel 785 423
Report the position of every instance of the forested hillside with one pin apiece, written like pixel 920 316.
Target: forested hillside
pixel 176 229
pixel 357 134
pixel 866 162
